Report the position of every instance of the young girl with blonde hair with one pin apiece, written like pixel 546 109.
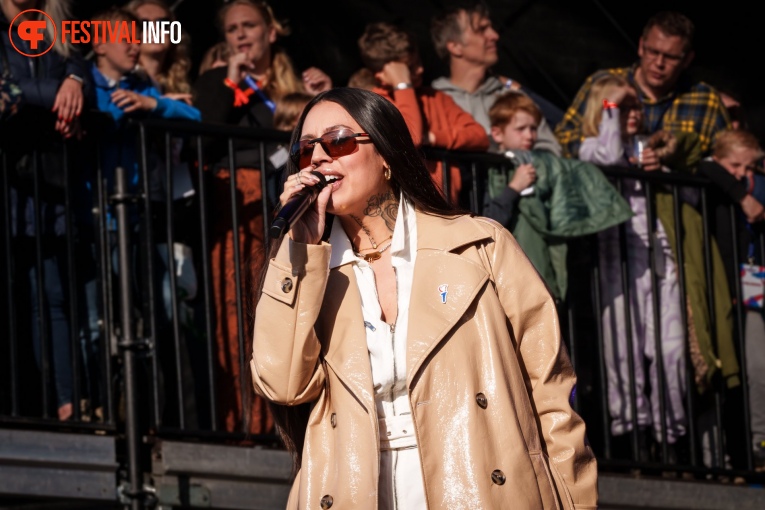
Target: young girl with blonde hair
pixel 167 64
pixel 612 119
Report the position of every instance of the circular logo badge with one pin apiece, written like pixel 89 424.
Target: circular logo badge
pixel 32 31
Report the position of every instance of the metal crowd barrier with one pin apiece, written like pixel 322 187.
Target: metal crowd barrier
pixel 158 374
pixel 27 190
pixel 728 451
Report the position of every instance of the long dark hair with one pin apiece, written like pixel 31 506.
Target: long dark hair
pixel 409 179
pixel 390 136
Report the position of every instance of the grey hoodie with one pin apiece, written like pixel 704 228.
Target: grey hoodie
pixel 478 103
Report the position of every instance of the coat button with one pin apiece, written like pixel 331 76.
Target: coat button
pixel 480 398
pixel 326 502
pixel 286 285
pixel 333 420
pixel 498 477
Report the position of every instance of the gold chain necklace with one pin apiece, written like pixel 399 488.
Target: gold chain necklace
pixel 375 255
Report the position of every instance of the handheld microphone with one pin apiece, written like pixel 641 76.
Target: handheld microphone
pixel 290 212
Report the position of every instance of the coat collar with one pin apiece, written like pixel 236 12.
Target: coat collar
pixel 434 232
pixel 437 269
pixel 447 233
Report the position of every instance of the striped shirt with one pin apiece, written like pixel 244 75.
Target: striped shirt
pixel 690 108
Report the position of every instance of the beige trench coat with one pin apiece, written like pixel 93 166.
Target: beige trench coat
pixel 489 380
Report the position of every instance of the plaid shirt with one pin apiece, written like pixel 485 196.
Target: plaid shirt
pixel 690 108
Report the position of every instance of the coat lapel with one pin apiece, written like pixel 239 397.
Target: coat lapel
pixel 345 347
pixel 431 316
pixel 444 283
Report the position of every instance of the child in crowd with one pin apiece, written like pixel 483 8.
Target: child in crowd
pixel 514 119
pixel 362 78
pixel 542 198
pixel 738 180
pixel 288 110
pixel 124 94
pixel 432 116
pixel 120 91
pixel 167 64
pixel 612 119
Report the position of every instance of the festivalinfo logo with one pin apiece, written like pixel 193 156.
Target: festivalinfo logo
pixel 87 32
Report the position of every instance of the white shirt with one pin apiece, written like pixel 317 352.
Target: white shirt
pixel 400 486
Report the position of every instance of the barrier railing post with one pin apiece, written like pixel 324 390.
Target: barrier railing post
pixel 740 340
pixel 656 306
pixel 43 316
pixel 709 279
pixel 689 375
pixel 627 293
pixel 135 494
pixel 602 377
pixel 10 277
pixel 74 327
pixel 236 244
pixel 207 284
pixel 178 345
pixel 151 300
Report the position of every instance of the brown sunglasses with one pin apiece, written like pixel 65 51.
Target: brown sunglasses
pixel 335 143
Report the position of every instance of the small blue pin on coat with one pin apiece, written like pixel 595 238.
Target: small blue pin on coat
pixel 443 291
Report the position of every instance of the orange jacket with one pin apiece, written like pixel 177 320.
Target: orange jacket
pixel 427 110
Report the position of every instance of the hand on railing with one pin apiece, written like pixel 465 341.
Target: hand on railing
pixel 70 129
pixel 69 100
pixel 130 101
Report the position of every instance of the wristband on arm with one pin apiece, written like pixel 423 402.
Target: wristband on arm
pixel 608 106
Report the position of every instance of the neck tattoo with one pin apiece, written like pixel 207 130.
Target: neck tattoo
pixel 366 231
pixel 385 206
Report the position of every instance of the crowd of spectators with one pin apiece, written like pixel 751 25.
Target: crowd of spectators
pixel 646 117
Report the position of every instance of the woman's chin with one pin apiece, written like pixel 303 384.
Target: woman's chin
pixel 335 205
pixel 339 205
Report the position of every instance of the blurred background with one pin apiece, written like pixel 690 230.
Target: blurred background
pixel 551 46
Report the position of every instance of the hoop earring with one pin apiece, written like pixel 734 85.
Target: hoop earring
pixel 387 173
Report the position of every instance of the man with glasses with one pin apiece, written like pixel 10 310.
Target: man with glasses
pixel 670 101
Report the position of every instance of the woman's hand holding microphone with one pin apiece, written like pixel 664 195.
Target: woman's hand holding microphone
pixel 309 228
